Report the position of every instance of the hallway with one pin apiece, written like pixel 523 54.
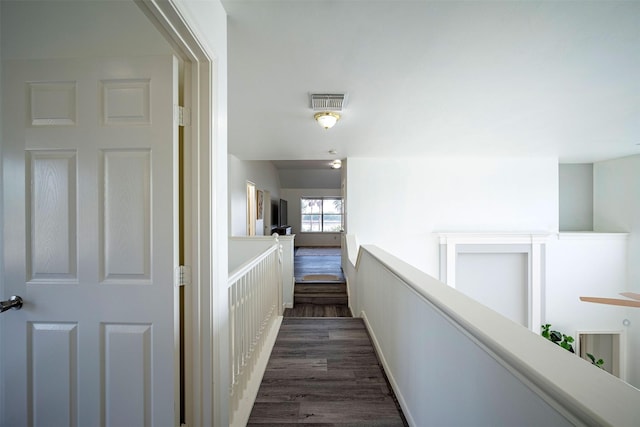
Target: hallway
pixel 325 372
pixel 323 369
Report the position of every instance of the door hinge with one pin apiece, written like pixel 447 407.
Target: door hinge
pixel 183 275
pixel 183 116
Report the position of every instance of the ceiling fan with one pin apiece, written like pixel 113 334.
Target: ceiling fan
pixel 633 302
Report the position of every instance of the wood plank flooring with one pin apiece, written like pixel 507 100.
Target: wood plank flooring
pixel 318 310
pixel 324 372
pixel 312 264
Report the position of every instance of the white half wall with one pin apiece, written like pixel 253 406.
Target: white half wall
pixel 398 204
pixel 293 196
pixel 263 174
pixel 617 208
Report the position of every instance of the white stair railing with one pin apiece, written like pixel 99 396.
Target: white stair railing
pixel 255 314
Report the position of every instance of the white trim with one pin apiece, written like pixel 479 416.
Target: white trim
pixel 455 244
pixel 535 296
pixel 206 399
pixel 592 235
pixel 451 266
pixel 489 237
pixel 2 241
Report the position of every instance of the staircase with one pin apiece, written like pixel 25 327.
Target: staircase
pixel 320 293
pixel 320 287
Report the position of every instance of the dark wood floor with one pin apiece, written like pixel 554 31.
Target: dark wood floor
pixel 311 264
pixel 323 369
pixel 324 372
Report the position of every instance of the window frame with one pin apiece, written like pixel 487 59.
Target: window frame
pixel 322 214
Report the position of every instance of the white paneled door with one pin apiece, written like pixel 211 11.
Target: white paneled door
pixel 89 153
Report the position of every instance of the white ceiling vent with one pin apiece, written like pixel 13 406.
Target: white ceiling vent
pixel 328 101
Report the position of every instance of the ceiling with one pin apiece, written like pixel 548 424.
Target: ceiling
pixel 435 78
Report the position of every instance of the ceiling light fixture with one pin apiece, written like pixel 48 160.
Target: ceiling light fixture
pixel 327 119
pixel 327 107
pixel 336 164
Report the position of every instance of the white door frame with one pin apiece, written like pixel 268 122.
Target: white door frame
pixel 206 306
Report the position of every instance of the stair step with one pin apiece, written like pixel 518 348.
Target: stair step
pixel 319 282
pixel 320 288
pixel 321 294
pixel 320 299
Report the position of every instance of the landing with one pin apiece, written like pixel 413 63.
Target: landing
pixel 317 261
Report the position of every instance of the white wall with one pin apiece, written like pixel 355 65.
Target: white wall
pixel 617 208
pixel 310 178
pixel 293 196
pixel 398 204
pixel 587 265
pixel 576 197
pixel 244 249
pixel 264 175
pixel 496 280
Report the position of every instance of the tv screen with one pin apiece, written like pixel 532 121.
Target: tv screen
pixel 282 213
pixel 275 220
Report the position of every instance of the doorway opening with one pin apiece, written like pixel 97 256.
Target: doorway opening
pixel 252 210
pixel 607 346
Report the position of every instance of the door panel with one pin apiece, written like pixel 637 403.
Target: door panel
pixel 126 216
pixel 51 216
pixel 90 196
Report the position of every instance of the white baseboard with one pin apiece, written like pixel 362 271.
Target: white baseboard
pixel 287 305
pixel 388 372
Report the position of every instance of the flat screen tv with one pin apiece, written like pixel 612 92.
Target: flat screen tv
pixel 275 219
pixel 282 213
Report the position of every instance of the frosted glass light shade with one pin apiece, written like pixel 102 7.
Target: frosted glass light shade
pixel 327 119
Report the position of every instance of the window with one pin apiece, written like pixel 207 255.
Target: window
pixel 321 215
